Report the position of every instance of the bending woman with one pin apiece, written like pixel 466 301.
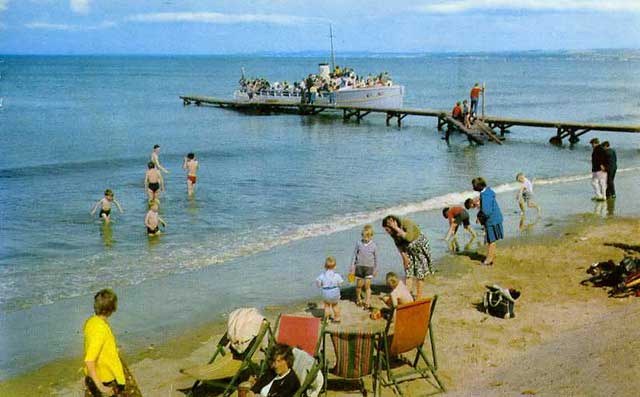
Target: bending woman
pixel 414 249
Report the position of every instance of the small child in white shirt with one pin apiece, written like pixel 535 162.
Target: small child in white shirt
pixel 400 293
pixel 330 282
pixel 525 194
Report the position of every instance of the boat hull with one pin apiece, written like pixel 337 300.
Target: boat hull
pixel 378 97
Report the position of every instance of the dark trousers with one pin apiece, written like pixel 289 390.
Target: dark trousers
pixel 611 187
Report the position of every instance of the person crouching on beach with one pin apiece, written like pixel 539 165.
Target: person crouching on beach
pixel 330 282
pixel 105 206
pixel 490 216
pixel 364 265
pixel 414 250
pixel 457 216
pixel 153 221
pixel 191 165
pixel 525 194
pixel 104 372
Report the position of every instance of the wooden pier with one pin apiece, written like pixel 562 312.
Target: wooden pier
pixel 481 130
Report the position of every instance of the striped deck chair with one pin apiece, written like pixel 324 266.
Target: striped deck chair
pixel 411 325
pixel 223 369
pixel 355 353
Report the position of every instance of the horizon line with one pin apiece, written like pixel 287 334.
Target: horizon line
pixel 314 53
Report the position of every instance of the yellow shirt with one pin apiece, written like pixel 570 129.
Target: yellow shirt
pixel 100 346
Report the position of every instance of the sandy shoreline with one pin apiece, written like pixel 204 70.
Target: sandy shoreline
pixel 566 339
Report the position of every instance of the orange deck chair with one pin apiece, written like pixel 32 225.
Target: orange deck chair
pixel 412 322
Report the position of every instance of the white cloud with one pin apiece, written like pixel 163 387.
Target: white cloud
pixel 458 6
pixel 79 6
pixel 218 18
pixel 69 28
pixel 3 5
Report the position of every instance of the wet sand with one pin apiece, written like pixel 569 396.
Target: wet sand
pixel 566 339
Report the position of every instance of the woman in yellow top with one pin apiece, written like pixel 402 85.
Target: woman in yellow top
pixel 103 367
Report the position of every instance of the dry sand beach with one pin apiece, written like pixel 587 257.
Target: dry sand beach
pixel 566 340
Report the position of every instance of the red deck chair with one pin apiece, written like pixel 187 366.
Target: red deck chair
pixel 412 322
pixel 301 332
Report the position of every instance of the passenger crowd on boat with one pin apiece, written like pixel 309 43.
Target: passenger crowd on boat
pixel 315 85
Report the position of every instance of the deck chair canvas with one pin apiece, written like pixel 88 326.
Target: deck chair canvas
pixel 303 332
pixel 355 357
pixel 234 355
pixel 308 371
pixel 412 323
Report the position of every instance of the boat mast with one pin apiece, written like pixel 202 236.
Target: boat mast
pixel 333 56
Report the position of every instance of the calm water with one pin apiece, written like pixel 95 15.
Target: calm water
pixel 275 193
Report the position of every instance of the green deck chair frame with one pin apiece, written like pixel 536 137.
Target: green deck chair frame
pixel 393 344
pixel 247 363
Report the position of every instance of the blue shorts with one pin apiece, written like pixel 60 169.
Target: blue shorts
pixel 331 295
pixel 494 232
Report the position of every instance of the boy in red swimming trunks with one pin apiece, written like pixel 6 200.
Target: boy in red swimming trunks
pixel 105 206
pixel 191 165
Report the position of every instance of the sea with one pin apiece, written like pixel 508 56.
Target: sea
pixel 276 194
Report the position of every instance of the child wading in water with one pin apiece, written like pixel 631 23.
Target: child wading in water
pixel 191 165
pixel 152 221
pixel 525 194
pixel 330 282
pixel 105 203
pixel 364 265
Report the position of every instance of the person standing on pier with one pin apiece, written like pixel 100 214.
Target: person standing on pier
pixel 612 167
pixel 475 96
pixel 155 159
pixel 598 170
pixel 490 216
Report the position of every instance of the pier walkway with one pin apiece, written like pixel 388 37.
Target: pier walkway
pixel 480 131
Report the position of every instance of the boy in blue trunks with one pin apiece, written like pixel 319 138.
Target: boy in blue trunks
pixel 105 206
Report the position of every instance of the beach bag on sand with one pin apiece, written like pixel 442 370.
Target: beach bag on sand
pixel 500 302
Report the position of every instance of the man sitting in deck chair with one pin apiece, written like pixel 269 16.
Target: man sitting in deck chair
pixel 246 332
pixel 294 373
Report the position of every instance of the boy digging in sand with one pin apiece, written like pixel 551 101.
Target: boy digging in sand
pixel 457 216
pixel 105 203
pixel 152 221
pixel 191 165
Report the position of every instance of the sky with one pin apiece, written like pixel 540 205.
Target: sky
pixel 287 26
